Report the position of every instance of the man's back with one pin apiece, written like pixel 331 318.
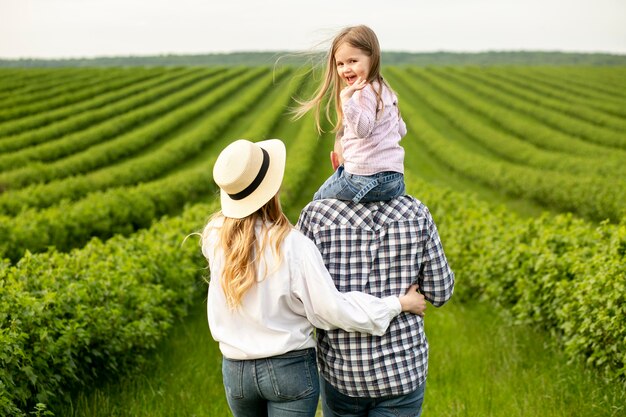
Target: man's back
pixel 380 248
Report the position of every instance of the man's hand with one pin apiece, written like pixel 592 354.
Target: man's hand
pixel 336 157
pixel 334 160
pixel 413 301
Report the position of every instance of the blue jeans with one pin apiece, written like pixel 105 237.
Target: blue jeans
pixel 334 403
pixel 382 186
pixel 279 386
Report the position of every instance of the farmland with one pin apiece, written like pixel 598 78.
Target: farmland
pixel 105 174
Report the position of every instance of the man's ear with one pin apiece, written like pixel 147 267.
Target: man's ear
pixel 334 160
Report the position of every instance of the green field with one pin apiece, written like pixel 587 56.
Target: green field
pixel 105 171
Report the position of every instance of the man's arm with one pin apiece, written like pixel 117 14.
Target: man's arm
pixel 436 280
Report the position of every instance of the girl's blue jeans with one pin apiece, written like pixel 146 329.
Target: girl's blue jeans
pixel 382 186
pixel 278 386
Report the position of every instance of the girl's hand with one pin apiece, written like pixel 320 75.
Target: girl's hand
pixel 413 301
pixel 348 91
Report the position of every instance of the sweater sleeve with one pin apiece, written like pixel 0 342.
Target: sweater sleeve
pixel 327 308
pixel 360 112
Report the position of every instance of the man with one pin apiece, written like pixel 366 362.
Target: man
pixel 380 248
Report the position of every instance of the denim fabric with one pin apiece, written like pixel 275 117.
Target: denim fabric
pixel 382 186
pixel 279 386
pixel 334 403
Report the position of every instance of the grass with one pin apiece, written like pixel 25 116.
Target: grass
pixel 479 366
pixel 183 378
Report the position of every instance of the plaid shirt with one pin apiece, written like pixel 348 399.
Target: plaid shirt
pixel 379 248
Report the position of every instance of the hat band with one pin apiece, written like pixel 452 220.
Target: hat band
pixel 257 181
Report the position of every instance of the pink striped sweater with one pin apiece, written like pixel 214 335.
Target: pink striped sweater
pixel 371 136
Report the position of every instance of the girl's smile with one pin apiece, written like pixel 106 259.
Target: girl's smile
pixel 352 63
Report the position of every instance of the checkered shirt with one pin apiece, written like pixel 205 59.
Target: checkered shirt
pixel 379 248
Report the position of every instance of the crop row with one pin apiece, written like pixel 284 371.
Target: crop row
pixel 125 209
pixel 68 93
pixel 18 80
pixel 111 92
pixel 588 196
pixel 609 85
pixel 517 124
pixel 15 80
pixel 553 95
pixel 140 168
pixel 581 80
pixel 559 85
pixel 558 273
pixel 178 109
pixel 499 142
pixel 31 87
pixel 91 119
pixel 564 123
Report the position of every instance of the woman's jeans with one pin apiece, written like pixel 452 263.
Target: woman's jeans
pixel 382 186
pixel 335 404
pixel 285 385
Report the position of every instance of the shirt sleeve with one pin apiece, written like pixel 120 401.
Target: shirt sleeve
pixel 360 112
pixel 327 308
pixel 303 223
pixel 209 241
pixel 437 279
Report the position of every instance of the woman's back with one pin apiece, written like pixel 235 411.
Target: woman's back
pixel 271 320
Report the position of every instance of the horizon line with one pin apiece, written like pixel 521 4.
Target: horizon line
pixel 182 54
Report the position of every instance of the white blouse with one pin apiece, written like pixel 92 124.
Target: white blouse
pixel 279 313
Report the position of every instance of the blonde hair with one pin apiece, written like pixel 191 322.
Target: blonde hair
pixel 242 249
pixel 363 38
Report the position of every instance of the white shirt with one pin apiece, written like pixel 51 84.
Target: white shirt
pixel 279 313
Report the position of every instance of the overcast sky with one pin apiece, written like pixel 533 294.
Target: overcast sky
pixel 88 28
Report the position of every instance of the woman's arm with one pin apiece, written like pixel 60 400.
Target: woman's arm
pixel 327 308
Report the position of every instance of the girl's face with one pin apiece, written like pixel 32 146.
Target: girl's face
pixel 352 63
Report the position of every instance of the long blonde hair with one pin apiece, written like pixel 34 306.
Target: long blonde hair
pixel 361 37
pixel 243 250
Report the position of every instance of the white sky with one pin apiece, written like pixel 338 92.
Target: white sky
pixel 88 28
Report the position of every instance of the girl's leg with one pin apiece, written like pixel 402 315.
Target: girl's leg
pixel 334 187
pixel 390 185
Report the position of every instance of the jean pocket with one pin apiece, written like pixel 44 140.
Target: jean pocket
pixel 294 377
pixel 392 187
pixel 232 374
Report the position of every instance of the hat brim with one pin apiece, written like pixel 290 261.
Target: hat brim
pixel 270 185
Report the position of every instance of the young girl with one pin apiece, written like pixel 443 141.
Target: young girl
pixel 369 126
pixel 269 288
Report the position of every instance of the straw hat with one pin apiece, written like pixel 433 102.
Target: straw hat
pixel 249 175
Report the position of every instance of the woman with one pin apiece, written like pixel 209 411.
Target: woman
pixel 269 289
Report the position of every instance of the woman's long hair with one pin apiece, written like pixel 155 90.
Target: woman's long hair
pixel 361 37
pixel 243 249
